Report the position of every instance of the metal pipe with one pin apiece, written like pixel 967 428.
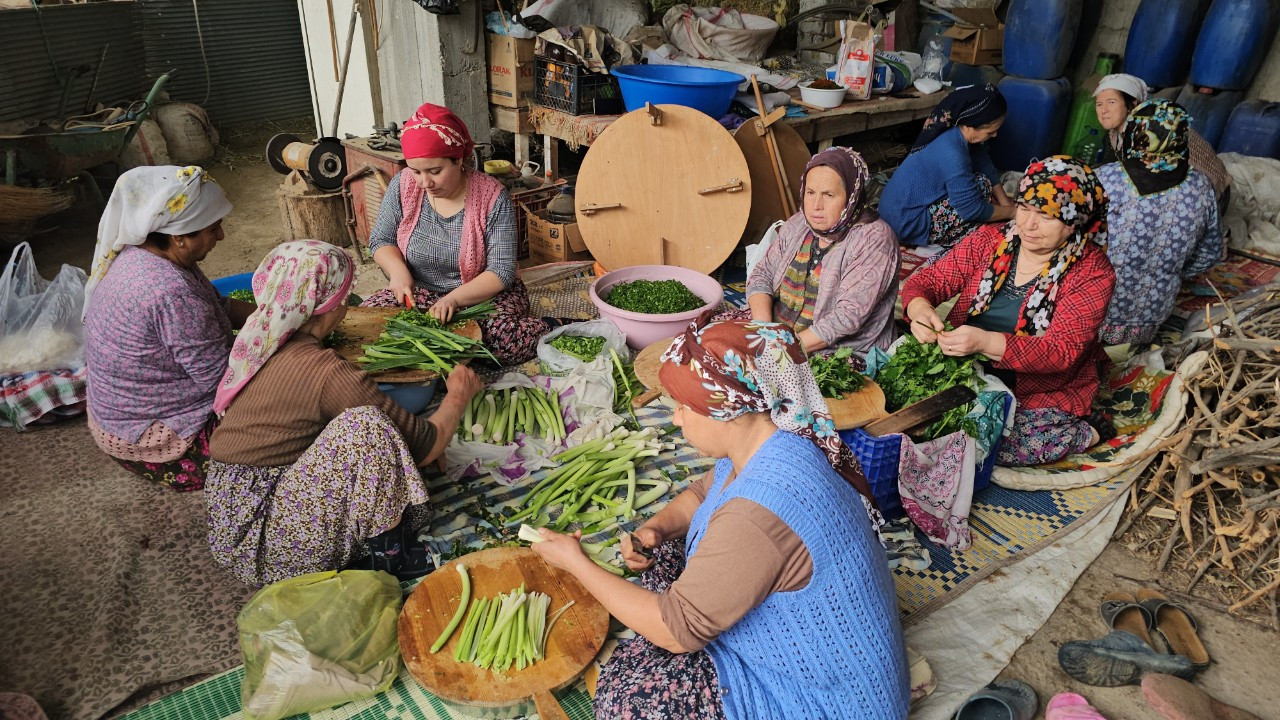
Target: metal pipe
pixel 97 72
pixel 349 208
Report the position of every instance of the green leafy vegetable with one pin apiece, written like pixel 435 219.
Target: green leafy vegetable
pixel 917 371
pixel 415 340
pixel 241 295
pixel 354 300
pixel 835 374
pixel 654 297
pixel 585 348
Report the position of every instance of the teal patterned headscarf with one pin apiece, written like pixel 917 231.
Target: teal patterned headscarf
pixel 1153 146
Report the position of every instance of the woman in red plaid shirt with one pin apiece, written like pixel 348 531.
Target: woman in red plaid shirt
pixel 1032 295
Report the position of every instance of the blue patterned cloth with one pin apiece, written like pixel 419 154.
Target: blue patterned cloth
pixel 1156 240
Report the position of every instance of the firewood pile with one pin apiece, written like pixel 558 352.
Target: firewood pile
pixel 1212 503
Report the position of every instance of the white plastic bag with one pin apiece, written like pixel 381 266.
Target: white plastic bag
pixel 756 253
pixel 555 362
pixel 40 326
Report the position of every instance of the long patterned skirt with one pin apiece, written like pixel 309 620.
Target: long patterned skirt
pixel 185 473
pixel 510 334
pixel 1042 436
pixel 357 479
pixel 946 227
pixel 641 681
pixel 1140 336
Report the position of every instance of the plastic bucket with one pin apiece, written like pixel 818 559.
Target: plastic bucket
pixel 224 285
pixel 703 89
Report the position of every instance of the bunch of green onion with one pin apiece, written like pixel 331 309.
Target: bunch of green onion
pixel 413 339
pixel 500 416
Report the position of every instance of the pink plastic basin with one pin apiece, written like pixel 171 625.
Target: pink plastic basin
pixel 643 329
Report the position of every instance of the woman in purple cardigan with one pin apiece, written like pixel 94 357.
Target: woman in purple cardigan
pixel 832 273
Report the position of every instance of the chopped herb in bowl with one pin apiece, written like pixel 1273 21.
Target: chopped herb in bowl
pixel 654 297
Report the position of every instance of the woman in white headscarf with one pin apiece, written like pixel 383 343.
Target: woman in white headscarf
pixel 1117 95
pixel 156 332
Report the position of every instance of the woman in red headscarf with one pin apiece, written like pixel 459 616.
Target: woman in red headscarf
pixel 446 237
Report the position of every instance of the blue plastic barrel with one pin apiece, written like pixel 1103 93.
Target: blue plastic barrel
pixel 1253 129
pixel 1161 39
pixel 224 285
pixel 962 75
pixel 1034 126
pixel 1038 37
pixel 1210 110
pixel 1233 40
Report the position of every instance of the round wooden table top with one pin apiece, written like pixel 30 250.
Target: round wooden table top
pixel 766 203
pixel 672 192
pixel 575 639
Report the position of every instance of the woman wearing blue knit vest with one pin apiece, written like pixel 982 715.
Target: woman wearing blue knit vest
pixel 947 186
pixel 785 607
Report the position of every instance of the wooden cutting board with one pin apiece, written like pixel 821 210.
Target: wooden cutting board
pixel 647 364
pixel 858 408
pixel 363 325
pixel 575 639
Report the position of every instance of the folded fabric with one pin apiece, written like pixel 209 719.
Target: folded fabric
pixel 935 483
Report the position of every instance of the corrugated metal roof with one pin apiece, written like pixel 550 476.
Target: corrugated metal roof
pixel 257 69
pixel 76 33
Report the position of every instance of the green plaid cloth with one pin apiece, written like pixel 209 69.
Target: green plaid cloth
pixel 28 397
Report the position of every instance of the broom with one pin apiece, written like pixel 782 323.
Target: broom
pixel 22 204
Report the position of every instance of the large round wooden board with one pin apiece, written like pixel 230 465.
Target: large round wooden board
pixel 575 639
pixel 363 325
pixel 858 408
pixel 766 204
pixel 654 172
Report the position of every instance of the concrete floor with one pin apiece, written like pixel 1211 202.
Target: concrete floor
pixel 1246 669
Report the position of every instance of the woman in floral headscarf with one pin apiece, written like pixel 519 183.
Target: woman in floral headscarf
pixel 832 273
pixel 156 331
pixel 312 467
pixel 1033 293
pixel 811 628
pixel 1163 222
pixel 446 237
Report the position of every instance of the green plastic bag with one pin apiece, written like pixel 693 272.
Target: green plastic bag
pixel 319 640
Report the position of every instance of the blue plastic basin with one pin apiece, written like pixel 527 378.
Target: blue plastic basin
pixel 224 285
pixel 704 89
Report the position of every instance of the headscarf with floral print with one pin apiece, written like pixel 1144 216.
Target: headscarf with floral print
pixel 296 281
pixel 1065 189
pixel 855 175
pixel 726 369
pixel 970 105
pixel 153 199
pixel 1153 146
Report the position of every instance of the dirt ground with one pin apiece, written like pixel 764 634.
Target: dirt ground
pixel 1246 664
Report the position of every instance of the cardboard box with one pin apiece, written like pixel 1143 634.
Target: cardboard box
pixel 980 40
pixel 554 242
pixel 510 71
pixel 513 120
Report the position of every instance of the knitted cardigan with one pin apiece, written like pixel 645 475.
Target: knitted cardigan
pixel 944 169
pixel 834 648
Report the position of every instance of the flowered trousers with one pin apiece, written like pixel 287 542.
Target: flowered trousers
pixel 185 474
pixel 946 227
pixel 641 681
pixel 1043 435
pixel 510 334
pixel 358 479
pixel 1136 335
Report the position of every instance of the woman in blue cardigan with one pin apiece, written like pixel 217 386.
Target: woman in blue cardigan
pixel 947 185
pixel 784 607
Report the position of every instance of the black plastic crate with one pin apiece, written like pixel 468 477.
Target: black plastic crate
pixel 574 90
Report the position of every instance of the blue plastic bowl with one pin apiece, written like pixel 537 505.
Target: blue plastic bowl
pixel 224 285
pixel 700 88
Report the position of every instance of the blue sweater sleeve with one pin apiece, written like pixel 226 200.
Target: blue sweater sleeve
pixel 981 160
pixel 962 189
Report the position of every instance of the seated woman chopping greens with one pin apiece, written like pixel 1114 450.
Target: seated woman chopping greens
pixel 810 629
pixel 156 332
pixel 832 273
pixel 313 467
pixel 446 237
pixel 1032 295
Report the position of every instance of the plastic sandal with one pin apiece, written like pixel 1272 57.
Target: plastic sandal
pixel 1070 706
pixel 1008 700
pixel 1120 658
pixel 1180 700
pixel 1121 611
pixel 1176 625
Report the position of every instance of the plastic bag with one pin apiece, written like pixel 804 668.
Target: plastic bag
pixel 40 327
pixel 856 59
pixel 929 78
pixel 555 362
pixel 756 253
pixel 319 640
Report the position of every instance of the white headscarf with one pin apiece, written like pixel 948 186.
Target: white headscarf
pixel 1130 85
pixel 168 199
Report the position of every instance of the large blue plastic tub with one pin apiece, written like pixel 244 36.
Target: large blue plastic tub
pixel 1232 43
pixel 1161 39
pixel 224 285
pixel 704 89
pixel 1039 36
pixel 1037 118
pixel 1253 129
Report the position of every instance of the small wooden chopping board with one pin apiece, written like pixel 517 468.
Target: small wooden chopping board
pixel 858 408
pixel 575 639
pixel 363 325
pixel 647 364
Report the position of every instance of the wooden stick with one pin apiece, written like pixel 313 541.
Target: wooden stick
pixel 1255 596
pixel 774 159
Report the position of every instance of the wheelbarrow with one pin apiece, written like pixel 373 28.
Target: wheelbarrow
pixel 59 156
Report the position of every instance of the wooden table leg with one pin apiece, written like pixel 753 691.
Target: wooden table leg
pixel 825 144
pixel 550 158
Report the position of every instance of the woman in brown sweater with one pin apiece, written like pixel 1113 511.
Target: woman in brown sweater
pixel 312 466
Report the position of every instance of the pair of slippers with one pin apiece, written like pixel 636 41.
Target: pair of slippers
pixel 1015 700
pixel 1128 653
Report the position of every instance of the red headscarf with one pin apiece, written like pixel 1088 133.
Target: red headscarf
pixel 435 132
